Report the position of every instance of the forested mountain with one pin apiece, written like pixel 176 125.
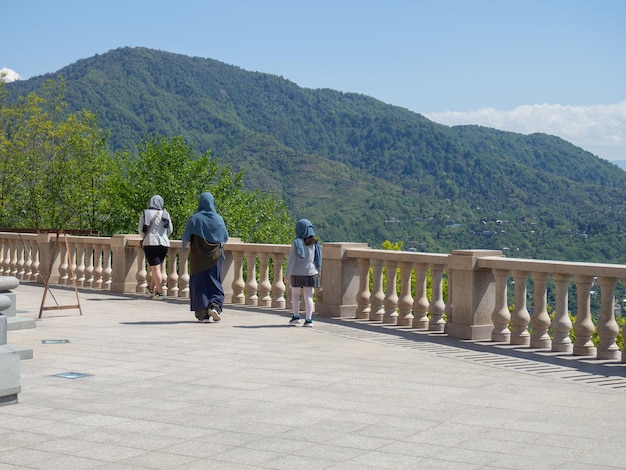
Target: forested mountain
pixel 360 169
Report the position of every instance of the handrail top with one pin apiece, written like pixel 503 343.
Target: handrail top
pixel 556 267
pixel 380 254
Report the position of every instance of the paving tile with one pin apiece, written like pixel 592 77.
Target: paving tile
pixel 249 392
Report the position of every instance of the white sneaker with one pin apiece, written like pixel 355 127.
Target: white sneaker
pixel 215 315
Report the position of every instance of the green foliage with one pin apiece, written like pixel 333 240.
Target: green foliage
pixel 57 173
pixel 364 170
pixel 53 164
pixel 167 167
pixel 387 245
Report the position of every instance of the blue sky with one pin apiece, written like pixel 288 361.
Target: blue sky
pixel 555 66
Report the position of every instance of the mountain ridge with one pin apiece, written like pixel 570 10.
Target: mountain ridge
pixel 353 163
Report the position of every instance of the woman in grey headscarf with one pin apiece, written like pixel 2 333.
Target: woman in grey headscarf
pixel 206 232
pixel 155 226
pixel 303 270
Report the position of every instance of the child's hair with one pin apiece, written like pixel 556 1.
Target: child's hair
pixel 310 240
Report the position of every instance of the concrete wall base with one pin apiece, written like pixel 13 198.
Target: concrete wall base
pixel 10 378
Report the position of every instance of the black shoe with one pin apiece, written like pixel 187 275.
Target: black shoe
pixel 202 315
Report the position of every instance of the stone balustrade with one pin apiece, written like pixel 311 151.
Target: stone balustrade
pixel 463 294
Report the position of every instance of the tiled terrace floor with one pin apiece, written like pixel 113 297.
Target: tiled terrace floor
pixel 164 391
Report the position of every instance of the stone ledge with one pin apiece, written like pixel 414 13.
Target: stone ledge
pixel 18 323
pixel 20 351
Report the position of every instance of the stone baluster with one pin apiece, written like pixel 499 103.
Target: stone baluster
pixel 19 266
pixel 405 302
pixel 107 273
pixel 13 262
pixel 6 264
pixel 501 315
pixel 164 286
pixel 278 288
pixel 391 294
pixel 377 298
pixel 288 299
pixel 251 283
pixel 98 269
pixel 36 254
pixel 28 262
pixel 449 310
pixel 624 350
pixel 436 306
pixel 238 282
pixel 583 326
pixel 172 277
pixel 89 264
pixel 142 273
pixel 2 256
pixel 420 302
pixel 73 262
pixel 265 286
pixel 607 326
pixel 183 280
pixel 64 267
pixel 6 258
pixel 561 323
pixel 79 272
pixel 540 320
pixel 363 296
pixel 520 318
pixel 318 295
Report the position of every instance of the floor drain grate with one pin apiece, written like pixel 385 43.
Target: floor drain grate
pixel 72 375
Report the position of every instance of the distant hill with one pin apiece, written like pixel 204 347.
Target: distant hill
pixel 620 163
pixel 360 169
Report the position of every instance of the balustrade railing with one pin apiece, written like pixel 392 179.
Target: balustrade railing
pixel 463 294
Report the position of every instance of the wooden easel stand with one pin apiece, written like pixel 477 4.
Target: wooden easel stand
pixel 47 280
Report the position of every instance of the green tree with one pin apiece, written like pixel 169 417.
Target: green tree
pixel 170 168
pixel 53 164
pixel 57 172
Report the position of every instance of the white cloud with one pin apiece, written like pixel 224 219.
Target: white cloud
pixel 9 75
pixel 599 129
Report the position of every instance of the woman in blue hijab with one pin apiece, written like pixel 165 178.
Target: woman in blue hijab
pixel 206 233
pixel 303 270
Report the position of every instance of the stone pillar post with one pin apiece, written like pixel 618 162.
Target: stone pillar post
pixel 340 281
pixel 6 284
pixel 10 373
pixel 3 321
pixel 10 378
pixel 125 264
pixel 474 295
pixel 49 257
